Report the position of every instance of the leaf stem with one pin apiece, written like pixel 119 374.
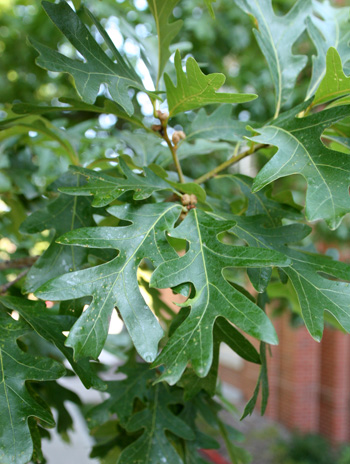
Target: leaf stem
pixel 233 160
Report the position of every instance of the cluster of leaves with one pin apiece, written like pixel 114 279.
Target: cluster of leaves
pixel 119 225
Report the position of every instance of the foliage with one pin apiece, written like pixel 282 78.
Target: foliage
pixel 117 183
pixel 306 449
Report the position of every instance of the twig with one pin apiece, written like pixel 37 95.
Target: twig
pixel 5 287
pixel 233 160
pixel 162 130
pixel 174 155
pixel 18 263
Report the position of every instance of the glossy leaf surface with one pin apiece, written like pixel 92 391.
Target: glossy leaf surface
pixel 96 70
pixel 115 283
pixel 202 265
pixel 300 151
pixel 276 36
pixel 16 403
pixel 107 188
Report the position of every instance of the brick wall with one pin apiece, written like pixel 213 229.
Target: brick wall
pixel 309 381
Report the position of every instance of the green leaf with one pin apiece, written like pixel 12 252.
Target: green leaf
pixel 194 89
pixel 106 188
pixel 224 332
pixel 300 151
pixel 63 214
pixel 123 394
pixel 335 83
pixel 153 446
pixel 276 36
pixel 316 292
pixel 96 70
pixel 218 125
pixel 102 105
pixel 328 27
pixel 115 282
pixel 202 265
pixel 50 327
pixel 258 203
pixel 166 31
pixel 147 147
pixel 16 403
pixel 262 383
pixel 23 124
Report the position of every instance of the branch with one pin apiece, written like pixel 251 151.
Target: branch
pixel 233 160
pixel 5 287
pixel 18 263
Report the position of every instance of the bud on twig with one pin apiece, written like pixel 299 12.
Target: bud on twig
pixel 162 116
pixel 177 136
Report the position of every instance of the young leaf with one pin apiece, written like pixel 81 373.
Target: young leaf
pixel 16 403
pixel 50 327
pixel 335 83
pixel 194 89
pixel 166 31
pixel 316 292
pixel 202 265
pixel 96 70
pixel 63 214
pixel 106 188
pixel 300 151
pixel 153 446
pixel 218 125
pixel 115 283
pixel 276 36
pixel 329 27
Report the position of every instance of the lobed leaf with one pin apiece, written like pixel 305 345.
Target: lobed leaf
pixel 62 214
pixel 17 405
pixel 301 151
pixel 307 272
pixel 97 68
pixel 218 125
pixel 202 265
pixel 153 446
pixel 328 27
pixel 194 89
pixel 51 327
pixel 115 282
pixel 276 36
pixel 335 83
pixel 106 188
pixel 166 31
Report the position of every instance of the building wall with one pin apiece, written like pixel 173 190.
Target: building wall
pixel 309 381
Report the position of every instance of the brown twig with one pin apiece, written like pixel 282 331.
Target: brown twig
pixel 233 160
pixel 18 263
pixel 161 129
pixel 5 287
